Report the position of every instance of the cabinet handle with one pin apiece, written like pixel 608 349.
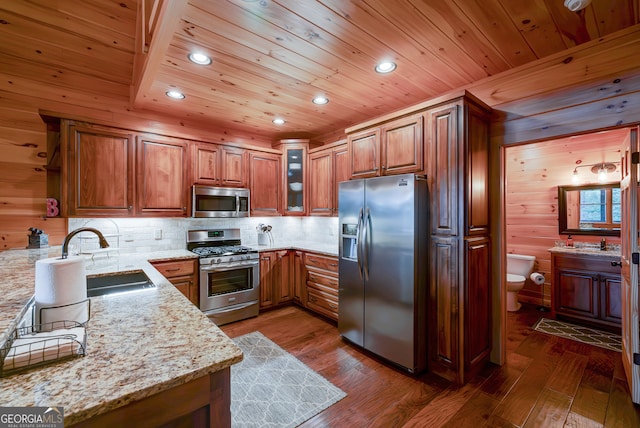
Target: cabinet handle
pixel 333 265
pixel 334 307
pixel 384 167
pixel 130 207
pixel 616 264
pixel 173 269
pixel 312 299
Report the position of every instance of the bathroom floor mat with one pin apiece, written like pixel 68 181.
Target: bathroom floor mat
pixel 603 339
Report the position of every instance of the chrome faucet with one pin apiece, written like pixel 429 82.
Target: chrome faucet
pixel 65 244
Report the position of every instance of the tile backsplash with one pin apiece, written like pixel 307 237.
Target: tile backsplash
pixel 133 235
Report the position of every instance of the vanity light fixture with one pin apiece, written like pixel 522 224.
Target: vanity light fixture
pixel 175 94
pixel 320 100
pixel 278 121
pixel 602 170
pixel 199 58
pixel 385 67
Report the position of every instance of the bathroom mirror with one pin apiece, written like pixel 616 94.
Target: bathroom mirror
pixel 589 210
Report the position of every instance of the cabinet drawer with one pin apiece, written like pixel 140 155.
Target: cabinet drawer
pixel 328 281
pixel 321 262
pixel 582 262
pixel 177 268
pixel 322 302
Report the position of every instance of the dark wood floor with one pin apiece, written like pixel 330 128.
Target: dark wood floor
pixel 547 381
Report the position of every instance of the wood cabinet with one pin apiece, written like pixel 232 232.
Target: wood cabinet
pixel 219 165
pixel 265 183
pixel 460 263
pixel 162 180
pixel 395 147
pixel 183 274
pixel 294 176
pixel 586 289
pixel 298 277
pixel 322 284
pixel 98 171
pixel 275 281
pixel 327 168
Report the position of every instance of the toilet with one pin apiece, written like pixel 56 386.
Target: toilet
pixel 518 268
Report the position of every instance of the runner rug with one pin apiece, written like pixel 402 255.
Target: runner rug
pixel 588 335
pixel 272 388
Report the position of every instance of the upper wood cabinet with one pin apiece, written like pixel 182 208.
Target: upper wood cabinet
pixel 294 176
pixel 265 183
pixel 98 171
pixel 395 147
pixel 219 165
pixel 162 186
pixel 327 167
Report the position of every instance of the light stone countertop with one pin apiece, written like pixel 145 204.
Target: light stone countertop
pixel 138 344
pixel 586 251
pixel 326 249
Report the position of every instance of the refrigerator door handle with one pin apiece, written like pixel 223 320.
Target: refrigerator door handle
pixel 366 244
pixel 359 243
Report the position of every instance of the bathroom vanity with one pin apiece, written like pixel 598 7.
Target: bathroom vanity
pixel 586 287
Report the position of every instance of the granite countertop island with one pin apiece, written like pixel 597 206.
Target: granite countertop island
pixel 138 344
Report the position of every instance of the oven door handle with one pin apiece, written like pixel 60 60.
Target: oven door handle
pixel 228 267
pixel 237 205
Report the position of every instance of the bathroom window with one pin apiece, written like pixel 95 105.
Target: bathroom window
pixel 600 207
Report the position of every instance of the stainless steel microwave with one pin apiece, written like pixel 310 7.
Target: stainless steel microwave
pixel 211 201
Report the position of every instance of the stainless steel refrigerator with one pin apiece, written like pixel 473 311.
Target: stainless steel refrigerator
pixel 383 267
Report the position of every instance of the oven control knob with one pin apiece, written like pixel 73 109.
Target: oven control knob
pixel 218 260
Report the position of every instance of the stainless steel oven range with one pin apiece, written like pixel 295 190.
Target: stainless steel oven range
pixel 229 274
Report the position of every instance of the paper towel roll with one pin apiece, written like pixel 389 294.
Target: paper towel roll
pixel 60 282
pixel 537 278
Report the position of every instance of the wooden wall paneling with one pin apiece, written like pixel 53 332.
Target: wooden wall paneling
pixel 594 61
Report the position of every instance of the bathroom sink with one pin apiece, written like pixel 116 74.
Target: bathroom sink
pixel 118 282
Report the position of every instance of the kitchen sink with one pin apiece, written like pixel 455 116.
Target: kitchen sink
pixel 118 282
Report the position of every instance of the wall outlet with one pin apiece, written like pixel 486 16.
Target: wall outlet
pixel 157 234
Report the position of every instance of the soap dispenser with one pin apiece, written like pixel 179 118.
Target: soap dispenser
pixel 603 244
pixel 569 241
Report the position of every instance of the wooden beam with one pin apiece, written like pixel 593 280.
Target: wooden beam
pixel 147 64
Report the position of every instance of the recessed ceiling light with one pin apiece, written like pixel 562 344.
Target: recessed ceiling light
pixel 175 94
pixel 199 58
pixel 386 67
pixel 320 100
pixel 278 121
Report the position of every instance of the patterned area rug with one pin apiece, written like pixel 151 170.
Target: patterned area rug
pixel 588 335
pixel 272 388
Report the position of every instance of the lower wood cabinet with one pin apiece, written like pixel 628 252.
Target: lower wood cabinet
pixel 183 274
pixel 587 289
pixel 322 284
pixel 275 283
pixel 304 278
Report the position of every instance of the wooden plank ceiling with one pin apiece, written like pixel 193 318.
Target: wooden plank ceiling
pixel 270 58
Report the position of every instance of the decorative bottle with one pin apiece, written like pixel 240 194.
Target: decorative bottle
pixel 569 241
